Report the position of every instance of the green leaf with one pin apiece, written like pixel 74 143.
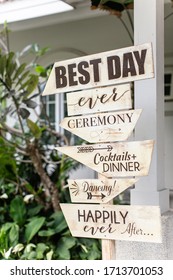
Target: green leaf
pixel 40 250
pixel 22 79
pixel 63 246
pixel 35 48
pixel 43 51
pixel 34 210
pixel 68 241
pixel 33 227
pixel 8 81
pixel 63 252
pixel 19 71
pixel 49 255
pixel 14 235
pixel 26 50
pixel 10 58
pixel 18 248
pixel 24 113
pixel 34 128
pixel 3 240
pixel 3 61
pixel 11 65
pixel 58 223
pixel 41 70
pixel 31 84
pixel 30 103
pixel 18 210
pixel 7 226
pixel 32 256
pixel 47 233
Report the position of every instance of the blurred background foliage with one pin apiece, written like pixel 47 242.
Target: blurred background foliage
pixel 33 175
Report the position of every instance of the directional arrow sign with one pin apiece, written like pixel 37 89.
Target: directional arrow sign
pixel 103 127
pixel 116 222
pixel 97 191
pixel 101 99
pixel 107 68
pixel 123 159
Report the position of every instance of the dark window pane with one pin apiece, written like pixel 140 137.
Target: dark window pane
pixel 168 78
pixel 52 97
pixel 52 112
pixel 167 90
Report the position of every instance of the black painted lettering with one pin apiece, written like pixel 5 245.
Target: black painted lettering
pixel 81 215
pixel 136 166
pixel 93 230
pixel 85 78
pixel 98 215
pixel 90 216
pixel 60 77
pixel 79 123
pixel 114 67
pixel 128 65
pixel 129 116
pixel 101 120
pixel 72 74
pixel 124 216
pixel 85 122
pixel 71 124
pixel 95 63
pixel 106 215
pixel 141 60
pixel 93 121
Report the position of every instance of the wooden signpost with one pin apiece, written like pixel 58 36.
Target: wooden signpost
pixel 103 127
pixel 100 111
pixel 98 100
pixel 119 222
pixel 107 68
pixel 97 191
pixel 121 159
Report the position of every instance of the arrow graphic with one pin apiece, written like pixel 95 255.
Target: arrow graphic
pixel 90 149
pixel 90 195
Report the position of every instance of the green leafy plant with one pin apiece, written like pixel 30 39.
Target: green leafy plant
pixel 34 235
pixel 32 174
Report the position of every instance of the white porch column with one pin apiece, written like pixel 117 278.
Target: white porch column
pixel 149 95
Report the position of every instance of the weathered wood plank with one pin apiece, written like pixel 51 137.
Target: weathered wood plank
pixel 115 222
pixel 122 159
pixel 101 99
pixel 97 190
pixel 103 127
pixel 107 68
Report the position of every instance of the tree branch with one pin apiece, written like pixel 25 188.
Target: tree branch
pixel 51 190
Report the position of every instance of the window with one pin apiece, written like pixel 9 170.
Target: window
pixel 168 82
pixel 55 107
pixel 49 107
pixel 72 138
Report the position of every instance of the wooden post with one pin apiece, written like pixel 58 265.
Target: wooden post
pixel 108 249
pixel 108 246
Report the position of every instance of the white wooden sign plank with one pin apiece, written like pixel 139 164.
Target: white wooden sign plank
pixel 107 68
pixel 97 191
pixel 116 222
pixel 103 127
pixel 101 99
pixel 122 159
